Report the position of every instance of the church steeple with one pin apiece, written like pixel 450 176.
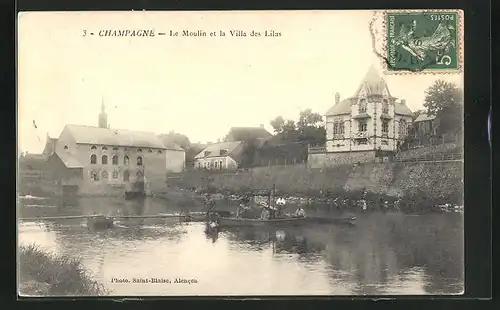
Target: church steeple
pixel 103 117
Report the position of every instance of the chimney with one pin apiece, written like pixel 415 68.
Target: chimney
pixel 337 98
pixel 403 101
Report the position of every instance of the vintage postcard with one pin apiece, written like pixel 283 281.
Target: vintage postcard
pixel 240 153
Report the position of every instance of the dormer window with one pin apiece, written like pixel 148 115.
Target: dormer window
pixel 139 150
pixel 115 149
pixel 93 147
pixel 150 151
pixel 362 106
pixel 105 148
pixel 207 153
pixel 65 147
pixel 223 152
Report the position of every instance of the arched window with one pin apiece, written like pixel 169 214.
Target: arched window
pixel 104 175
pixel 94 176
pixel 216 165
pixel 115 175
pixel 362 106
pixel 104 148
pixel 126 176
pixel 115 160
pixel 104 159
pixel 93 147
pixel 93 159
pixel 126 160
pixel 220 165
pixel 385 107
pixel 139 161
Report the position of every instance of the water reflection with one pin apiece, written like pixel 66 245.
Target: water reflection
pixel 382 254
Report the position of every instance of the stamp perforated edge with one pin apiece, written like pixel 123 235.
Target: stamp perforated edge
pixel 460 47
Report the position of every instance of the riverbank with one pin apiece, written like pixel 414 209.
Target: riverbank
pixel 46 274
pixel 413 184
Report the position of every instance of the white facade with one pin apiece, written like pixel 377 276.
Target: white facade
pixel 370 120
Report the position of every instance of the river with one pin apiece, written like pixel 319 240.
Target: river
pixel 383 254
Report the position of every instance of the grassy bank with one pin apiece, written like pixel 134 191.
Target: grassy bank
pixel 42 274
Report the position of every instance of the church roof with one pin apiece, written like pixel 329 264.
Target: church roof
pixel 116 137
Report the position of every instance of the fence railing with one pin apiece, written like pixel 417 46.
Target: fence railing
pixel 433 157
pixel 316 149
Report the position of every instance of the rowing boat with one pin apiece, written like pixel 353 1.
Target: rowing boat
pixel 232 222
pixel 100 222
pixel 330 220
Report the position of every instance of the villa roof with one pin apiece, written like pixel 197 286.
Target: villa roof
pixel 401 108
pixel 372 84
pixel 343 107
pixel 117 137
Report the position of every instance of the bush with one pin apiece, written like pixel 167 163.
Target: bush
pixel 42 273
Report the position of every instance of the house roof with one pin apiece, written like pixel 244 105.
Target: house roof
pixel 425 117
pixel 248 133
pixel 215 149
pixel 117 137
pixel 68 160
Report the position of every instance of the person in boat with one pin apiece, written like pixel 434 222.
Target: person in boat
pixel 265 214
pixel 209 204
pixel 300 212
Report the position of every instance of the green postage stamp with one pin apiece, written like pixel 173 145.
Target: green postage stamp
pixel 423 41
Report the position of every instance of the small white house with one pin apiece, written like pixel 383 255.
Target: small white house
pixel 220 156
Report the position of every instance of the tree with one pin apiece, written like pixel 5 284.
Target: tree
pixel 308 119
pixel 278 123
pixel 177 138
pixel 289 127
pixel 444 100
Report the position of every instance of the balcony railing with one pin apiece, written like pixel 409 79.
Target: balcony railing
pixel 360 135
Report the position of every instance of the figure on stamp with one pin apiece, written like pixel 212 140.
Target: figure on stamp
pixel 420 47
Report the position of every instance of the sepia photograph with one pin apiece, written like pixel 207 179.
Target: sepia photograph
pixel 240 153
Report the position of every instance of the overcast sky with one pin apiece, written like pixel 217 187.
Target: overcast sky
pixel 197 86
